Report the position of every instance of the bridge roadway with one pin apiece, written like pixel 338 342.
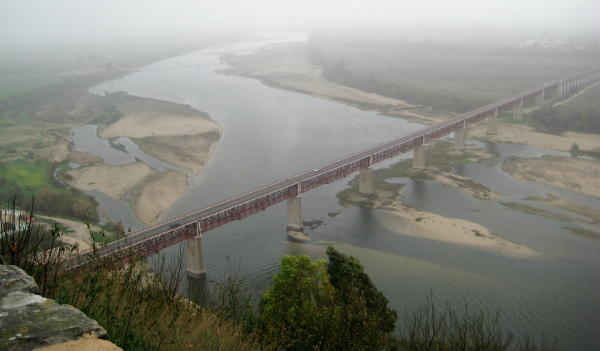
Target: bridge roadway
pixel 154 238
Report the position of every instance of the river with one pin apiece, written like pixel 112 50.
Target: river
pixel 271 133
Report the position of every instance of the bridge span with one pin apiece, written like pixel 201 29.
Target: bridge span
pixel 191 226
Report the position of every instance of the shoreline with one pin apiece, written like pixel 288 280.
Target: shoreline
pixel 282 66
pixel 568 173
pixel 176 134
pixel 408 220
pixel 411 221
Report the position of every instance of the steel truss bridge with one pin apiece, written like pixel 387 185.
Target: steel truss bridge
pixel 154 238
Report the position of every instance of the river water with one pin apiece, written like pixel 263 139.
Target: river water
pixel 271 134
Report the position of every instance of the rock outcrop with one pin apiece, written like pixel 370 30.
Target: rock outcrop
pixel 29 321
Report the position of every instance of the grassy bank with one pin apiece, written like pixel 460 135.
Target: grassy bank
pixel 456 77
pixel 24 179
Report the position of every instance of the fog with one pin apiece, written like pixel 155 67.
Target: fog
pixel 26 23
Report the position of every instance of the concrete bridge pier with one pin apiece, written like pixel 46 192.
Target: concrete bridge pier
pixel 539 98
pixel 366 181
pixel 492 123
pixel 518 111
pixel 419 157
pixel 459 138
pixel 194 258
pixel 294 211
pixel 556 92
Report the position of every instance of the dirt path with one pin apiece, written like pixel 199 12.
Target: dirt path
pixel 78 232
pixel 579 93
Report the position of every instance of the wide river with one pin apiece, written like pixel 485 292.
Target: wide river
pixel 271 133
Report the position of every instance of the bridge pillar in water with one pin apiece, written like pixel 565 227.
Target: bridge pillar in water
pixel 492 123
pixel 366 181
pixel 459 138
pixel 419 157
pixel 194 258
pixel 294 210
pixel 518 111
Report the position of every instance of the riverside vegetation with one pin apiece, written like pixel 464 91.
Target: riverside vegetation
pixel 312 305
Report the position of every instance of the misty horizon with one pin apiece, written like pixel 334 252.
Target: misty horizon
pixel 31 23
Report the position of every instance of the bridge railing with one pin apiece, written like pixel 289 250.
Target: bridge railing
pixel 246 204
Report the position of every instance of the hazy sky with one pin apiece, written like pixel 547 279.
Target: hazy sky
pixel 32 21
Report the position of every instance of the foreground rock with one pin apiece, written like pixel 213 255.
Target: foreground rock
pixel 29 321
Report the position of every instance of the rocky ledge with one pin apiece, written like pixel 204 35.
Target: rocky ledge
pixel 29 321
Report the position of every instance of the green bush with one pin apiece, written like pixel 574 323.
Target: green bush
pixel 315 305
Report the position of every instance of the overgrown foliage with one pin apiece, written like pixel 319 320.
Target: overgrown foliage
pixel 430 329
pixel 140 307
pixel 312 305
pixel 557 120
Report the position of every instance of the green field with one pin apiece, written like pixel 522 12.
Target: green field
pixel 16 85
pixel 34 179
pixel 28 176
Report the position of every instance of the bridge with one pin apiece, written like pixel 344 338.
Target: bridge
pixel 191 226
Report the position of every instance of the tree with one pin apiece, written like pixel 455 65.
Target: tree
pixel 364 316
pixel 314 305
pixel 574 149
pixel 296 310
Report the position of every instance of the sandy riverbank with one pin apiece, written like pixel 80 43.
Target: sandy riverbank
pixel 176 134
pixel 467 185
pixel 113 181
pixel 150 192
pixel 148 117
pixel 408 220
pixel 285 66
pixel 568 173
pixel 157 193
pixel 522 134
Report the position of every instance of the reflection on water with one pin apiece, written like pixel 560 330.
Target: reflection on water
pixel 271 133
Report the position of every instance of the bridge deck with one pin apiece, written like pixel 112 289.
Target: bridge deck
pixel 154 238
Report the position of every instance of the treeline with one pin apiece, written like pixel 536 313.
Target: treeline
pixel 311 305
pixel 557 120
pixel 335 71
